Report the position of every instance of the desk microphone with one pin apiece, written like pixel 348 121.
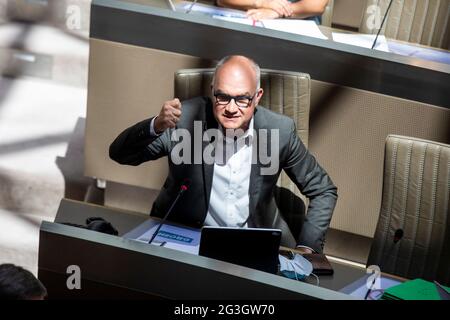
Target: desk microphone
pixel 183 188
pixel 191 6
pixel 398 235
pixel 382 24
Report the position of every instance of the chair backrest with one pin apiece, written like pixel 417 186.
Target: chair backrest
pixel 418 21
pixel 327 16
pixel 415 203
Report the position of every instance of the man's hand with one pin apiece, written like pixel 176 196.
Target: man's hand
pixel 282 7
pixel 261 14
pixel 169 116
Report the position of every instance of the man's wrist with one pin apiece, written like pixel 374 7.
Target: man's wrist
pixel 153 130
pixel 305 249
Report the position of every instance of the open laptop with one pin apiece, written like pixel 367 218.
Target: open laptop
pixel 253 248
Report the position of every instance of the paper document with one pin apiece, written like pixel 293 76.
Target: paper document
pixel 210 10
pixel 362 40
pixel 178 238
pixel 301 27
pixel 238 20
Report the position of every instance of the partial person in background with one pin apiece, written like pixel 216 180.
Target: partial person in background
pixel 273 9
pixel 16 283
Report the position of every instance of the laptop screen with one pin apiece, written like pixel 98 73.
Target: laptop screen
pixel 248 247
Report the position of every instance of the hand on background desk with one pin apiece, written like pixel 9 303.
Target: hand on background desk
pixel 260 14
pixel 282 7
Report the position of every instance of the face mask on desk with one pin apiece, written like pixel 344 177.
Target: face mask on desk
pixel 298 268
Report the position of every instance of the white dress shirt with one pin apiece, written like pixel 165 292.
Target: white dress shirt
pixel 229 200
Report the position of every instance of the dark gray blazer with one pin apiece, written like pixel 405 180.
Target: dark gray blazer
pixel 135 145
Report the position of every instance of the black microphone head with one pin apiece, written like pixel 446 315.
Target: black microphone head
pixel 398 235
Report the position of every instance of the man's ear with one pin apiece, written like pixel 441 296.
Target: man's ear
pixel 259 95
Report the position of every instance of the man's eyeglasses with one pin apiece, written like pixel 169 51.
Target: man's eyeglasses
pixel 241 101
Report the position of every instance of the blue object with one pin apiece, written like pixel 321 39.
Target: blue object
pixel 411 50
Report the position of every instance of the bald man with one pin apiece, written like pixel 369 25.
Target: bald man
pixel 234 167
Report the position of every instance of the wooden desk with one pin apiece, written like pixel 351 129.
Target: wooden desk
pixel 113 267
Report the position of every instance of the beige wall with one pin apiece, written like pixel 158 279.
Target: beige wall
pixel 126 85
pixel 348 127
pixel 348 13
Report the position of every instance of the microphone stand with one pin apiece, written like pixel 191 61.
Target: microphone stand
pixel 382 24
pixel 398 235
pixel 191 6
pixel 183 188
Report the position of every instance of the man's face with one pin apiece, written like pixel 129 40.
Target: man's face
pixel 235 79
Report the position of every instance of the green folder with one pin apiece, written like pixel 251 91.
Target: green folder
pixel 417 289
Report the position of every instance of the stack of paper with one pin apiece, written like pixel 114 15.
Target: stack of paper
pixel 174 237
pixel 301 27
pixel 362 40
